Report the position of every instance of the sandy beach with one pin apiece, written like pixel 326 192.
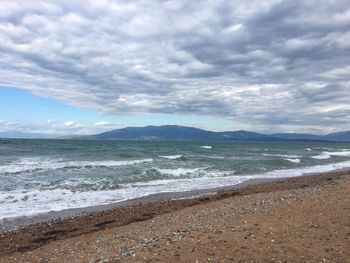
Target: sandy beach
pixel 303 219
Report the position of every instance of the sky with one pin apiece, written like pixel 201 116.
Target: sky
pixel 82 67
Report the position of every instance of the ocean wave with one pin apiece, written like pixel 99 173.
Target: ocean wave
pixel 31 202
pixel 322 156
pixel 205 147
pixel 27 203
pixel 171 157
pixel 328 154
pixel 179 171
pixel 281 155
pixel 214 157
pixel 18 203
pixel 344 152
pixel 26 165
pixel 293 160
pixel 304 170
pixel 82 184
pixel 193 172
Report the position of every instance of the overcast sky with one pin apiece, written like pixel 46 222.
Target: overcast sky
pixel 222 65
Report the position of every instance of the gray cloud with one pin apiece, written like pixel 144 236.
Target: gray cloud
pixel 270 64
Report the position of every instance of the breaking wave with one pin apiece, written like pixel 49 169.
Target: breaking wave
pixel 25 165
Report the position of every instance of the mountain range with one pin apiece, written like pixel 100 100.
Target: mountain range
pixel 175 132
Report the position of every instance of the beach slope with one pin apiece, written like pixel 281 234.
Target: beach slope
pixel 304 219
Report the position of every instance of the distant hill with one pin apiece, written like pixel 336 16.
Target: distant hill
pixel 166 132
pixel 175 132
pixel 338 136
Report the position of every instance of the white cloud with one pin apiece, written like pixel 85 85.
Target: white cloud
pixel 70 123
pixel 50 121
pixel 57 128
pixel 250 61
pixel 105 124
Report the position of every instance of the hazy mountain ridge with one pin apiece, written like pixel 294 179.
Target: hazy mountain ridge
pixel 175 132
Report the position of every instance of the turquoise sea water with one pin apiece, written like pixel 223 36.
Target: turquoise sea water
pixel 38 176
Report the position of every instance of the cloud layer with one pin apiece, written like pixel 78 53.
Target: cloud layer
pixel 267 63
pixel 56 128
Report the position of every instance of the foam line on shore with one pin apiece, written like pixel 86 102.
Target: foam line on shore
pixel 19 203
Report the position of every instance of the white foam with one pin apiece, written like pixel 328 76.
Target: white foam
pixel 322 156
pixel 29 164
pixel 171 157
pixel 327 154
pixel 290 155
pixel 27 203
pixel 206 147
pixel 304 170
pixel 293 160
pixel 194 172
pixel 308 149
pixel 110 163
pixel 36 202
pixel 207 156
pixel 341 153
pixel 34 164
pixel 215 157
pixel 81 183
pixel 281 155
pixel 180 171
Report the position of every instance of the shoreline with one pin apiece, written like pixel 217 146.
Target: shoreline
pixel 20 222
pixel 17 223
pixel 37 235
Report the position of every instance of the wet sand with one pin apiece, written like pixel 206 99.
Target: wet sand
pixel 303 219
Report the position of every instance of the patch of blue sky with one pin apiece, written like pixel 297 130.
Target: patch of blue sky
pixel 21 105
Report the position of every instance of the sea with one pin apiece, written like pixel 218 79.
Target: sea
pixel 38 176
